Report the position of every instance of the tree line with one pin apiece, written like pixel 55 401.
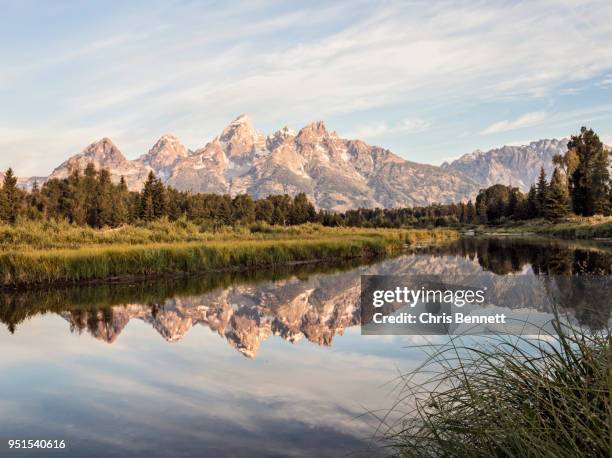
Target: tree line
pixel 580 183
pixel 91 198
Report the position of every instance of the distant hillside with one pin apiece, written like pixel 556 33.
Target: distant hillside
pixel 510 165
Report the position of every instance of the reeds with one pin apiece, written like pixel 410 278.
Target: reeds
pixel 512 396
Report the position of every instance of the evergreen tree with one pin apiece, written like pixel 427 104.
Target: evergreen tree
pixel 90 191
pixel 600 183
pixel 3 206
pixel 12 197
pixel 532 210
pixel 74 195
pixel 541 192
pixel 513 210
pixel 36 203
pixel 147 206
pixel 121 199
pixel 160 199
pixel 557 200
pixel 589 182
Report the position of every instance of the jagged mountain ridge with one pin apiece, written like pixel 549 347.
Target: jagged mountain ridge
pixel 510 165
pixel 335 173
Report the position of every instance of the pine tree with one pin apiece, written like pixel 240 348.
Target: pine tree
pixel 532 203
pixel 589 182
pixel 105 202
pixel 557 200
pixel 121 197
pixel 3 206
pixel 90 190
pixel 513 209
pixel 147 206
pixel 541 192
pixel 36 205
pixel 160 199
pixel 600 183
pixel 12 197
pixel 73 198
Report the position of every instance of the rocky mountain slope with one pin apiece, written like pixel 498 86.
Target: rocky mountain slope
pixel 510 165
pixel 335 173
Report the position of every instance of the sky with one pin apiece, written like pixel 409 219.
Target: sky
pixel 428 80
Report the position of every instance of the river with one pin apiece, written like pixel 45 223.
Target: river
pixel 262 363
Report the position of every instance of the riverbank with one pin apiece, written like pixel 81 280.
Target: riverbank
pixel 595 228
pixel 45 256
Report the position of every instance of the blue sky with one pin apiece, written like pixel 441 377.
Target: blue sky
pixel 428 80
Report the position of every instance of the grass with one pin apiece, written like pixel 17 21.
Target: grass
pixel 511 397
pixel 51 234
pixel 43 255
pixel 593 227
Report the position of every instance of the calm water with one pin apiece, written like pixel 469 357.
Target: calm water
pixel 269 364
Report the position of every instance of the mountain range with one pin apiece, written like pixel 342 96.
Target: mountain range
pixel 510 165
pixel 335 173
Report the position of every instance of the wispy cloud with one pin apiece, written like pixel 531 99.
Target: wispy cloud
pixel 606 82
pixel 191 73
pixel 378 129
pixel 526 120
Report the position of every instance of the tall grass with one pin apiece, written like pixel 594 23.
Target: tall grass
pixel 511 397
pixel 50 234
pixel 90 261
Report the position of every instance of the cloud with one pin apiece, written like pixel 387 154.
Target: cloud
pixel 528 119
pixel 606 82
pixel 191 73
pixel 379 129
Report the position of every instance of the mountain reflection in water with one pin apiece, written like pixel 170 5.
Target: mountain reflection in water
pixel 313 301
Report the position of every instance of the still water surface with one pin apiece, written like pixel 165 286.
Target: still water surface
pixel 259 364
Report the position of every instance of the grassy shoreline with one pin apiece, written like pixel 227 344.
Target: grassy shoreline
pixel 596 228
pixel 92 260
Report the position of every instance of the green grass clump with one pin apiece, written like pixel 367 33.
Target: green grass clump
pixel 512 397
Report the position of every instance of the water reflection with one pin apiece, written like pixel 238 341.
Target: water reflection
pixel 315 302
pixel 544 256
